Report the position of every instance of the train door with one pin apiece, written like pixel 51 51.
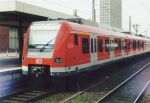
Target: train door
pixel 93 46
pixel 131 50
pixel 123 47
pixel 111 48
pixel 126 47
pixel 117 51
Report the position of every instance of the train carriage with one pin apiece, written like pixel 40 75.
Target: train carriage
pixel 62 48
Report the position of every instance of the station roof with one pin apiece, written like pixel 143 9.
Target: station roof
pixel 18 6
pixel 11 11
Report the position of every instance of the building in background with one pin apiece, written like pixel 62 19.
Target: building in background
pixel 8 38
pixel 16 16
pixel 13 38
pixel 4 38
pixel 111 13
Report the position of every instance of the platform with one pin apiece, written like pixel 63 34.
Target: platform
pixel 10 80
pixel 7 62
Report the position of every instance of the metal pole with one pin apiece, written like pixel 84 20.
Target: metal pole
pixel 75 13
pixel 93 11
pixel 130 24
pixel 136 28
pixel 20 35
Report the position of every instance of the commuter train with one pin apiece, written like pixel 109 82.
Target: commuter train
pixel 64 48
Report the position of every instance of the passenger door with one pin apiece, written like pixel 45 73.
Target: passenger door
pixel 122 47
pixel 93 49
pixel 111 48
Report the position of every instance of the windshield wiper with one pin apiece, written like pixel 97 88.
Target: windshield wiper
pixel 42 49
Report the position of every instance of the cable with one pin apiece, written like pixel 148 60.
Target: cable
pixel 147 9
pixel 67 7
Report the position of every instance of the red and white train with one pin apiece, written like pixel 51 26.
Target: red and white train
pixel 62 48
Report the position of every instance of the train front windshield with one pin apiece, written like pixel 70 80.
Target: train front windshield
pixel 42 39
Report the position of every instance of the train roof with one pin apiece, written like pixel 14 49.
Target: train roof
pixel 80 27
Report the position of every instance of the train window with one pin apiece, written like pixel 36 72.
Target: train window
pixel 122 45
pixel 133 45
pixel 106 45
pixel 126 44
pixel 75 39
pixel 129 45
pixel 119 43
pixel 100 45
pixel 91 45
pixel 85 45
pixel 138 46
pixel 111 43
pixel 142 44
pixel 95 45
pixel 117 47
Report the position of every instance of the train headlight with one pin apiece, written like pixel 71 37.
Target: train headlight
pixel 58 60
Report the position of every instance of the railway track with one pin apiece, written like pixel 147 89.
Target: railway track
pixel 81 92
pixel 39 98
pixel 67 100
pixel 130 90
pixel 73 97
pixel 27 96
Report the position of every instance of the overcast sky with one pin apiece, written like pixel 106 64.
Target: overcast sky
pixel 138 9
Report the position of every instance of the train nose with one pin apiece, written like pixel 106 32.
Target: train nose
pixel 39 76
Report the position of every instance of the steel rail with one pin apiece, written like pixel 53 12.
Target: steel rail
pixel 142 92
pixel 39 96
pixel 27 96
pixel 81 92
pixel 120 85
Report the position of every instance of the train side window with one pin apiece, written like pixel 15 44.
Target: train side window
pixel 126 44
pixel 142 44
pixel 129 44
pixel 91 45
pixel 119 44
pixel 100 45
pixel 75 39
pixel 106 45
pixel 133 46
pixel 111 43
pixel 85 45
pixel 95 45
pixel 138 44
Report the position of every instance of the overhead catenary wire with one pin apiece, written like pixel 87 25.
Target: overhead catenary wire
pixel 145 7
pixel 69 8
